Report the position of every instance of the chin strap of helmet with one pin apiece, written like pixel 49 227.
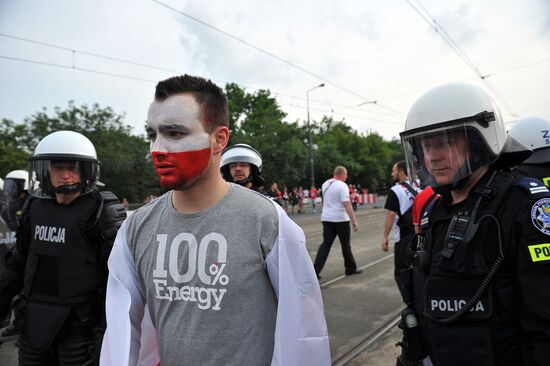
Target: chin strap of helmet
pixel 69 189
pixel 243 182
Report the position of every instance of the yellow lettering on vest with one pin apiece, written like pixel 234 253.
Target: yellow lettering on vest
pixel 546 181
pixel 540 252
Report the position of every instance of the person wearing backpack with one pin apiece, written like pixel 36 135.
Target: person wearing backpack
pixel 399 216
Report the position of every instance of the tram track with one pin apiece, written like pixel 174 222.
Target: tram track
pixel 370 339
pixel 368 265
pixel 367 342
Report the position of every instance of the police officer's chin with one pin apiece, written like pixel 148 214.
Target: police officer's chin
pixel 242 182
pixel 459 181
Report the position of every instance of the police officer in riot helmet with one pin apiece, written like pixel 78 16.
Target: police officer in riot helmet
pixel 534 134
pixel 482 260
pixel 59 263
pixel 242 164
pixel 13 196
pixel 12 200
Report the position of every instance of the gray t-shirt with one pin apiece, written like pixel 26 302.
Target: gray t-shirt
pixel 204 279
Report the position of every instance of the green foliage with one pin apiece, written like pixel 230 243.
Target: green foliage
pixel 124 169
pixel 13 153
pixel 255 119
pixel 366 157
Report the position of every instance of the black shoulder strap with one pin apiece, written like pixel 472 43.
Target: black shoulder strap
pixel 325 191
pixel 410 188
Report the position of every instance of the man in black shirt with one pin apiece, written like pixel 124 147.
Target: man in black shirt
pixel 399 216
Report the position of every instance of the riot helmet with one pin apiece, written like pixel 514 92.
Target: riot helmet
pixel 20 178
pixel 63 150
pixel 242 153
pixel 450 132
pixel 534 134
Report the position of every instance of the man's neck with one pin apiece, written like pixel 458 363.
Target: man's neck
pixel 461 194
pixel 201 196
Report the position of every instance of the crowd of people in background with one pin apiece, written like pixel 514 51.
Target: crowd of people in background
pixel 293 200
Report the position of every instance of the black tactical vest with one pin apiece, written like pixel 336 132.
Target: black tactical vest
pixel 62 265
pixel 455 273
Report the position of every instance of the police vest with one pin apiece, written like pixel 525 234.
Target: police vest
pixel 62 262
pixel 455 274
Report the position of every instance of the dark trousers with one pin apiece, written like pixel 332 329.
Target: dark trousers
pixel 401 259
pixel 330 230
pixel 73 350
pixel 402 262
pixel 75 343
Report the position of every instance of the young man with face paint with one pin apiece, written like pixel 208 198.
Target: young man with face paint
pixel 211 273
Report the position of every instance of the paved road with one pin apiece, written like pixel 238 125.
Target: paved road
pixel 355 306
pixel 358 305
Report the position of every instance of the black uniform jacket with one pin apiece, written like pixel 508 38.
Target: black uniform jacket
pixel 510 325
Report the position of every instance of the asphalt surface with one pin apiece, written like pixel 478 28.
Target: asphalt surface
pixel 355 306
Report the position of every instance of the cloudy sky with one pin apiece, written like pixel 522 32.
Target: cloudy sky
pixel 374 56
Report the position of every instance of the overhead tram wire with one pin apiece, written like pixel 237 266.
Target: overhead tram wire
pixel 345 115
pixel 141 64
pixel 438 29
pixel 514 68
pixel 88 53
pixel 74 67
pixel 259 49
pixel 128 77
pixel 154 67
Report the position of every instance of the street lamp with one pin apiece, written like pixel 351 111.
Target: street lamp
pixel 309 135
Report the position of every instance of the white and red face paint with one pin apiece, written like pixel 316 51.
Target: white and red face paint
pixel 180 146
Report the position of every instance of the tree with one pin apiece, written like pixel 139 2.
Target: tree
pixel 256 119
pixel 125 168
pixel 365 156
pixel 13 153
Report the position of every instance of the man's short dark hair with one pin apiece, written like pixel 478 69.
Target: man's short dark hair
pixel 401 166
pixel 209 96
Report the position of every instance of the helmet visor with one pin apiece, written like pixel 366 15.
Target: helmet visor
pixel 445 156
pixel 48 175
pixel 12 189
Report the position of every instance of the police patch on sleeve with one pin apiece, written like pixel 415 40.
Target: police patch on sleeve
pixel 540 215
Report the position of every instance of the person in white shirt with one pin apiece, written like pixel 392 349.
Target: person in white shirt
pixel 336 215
